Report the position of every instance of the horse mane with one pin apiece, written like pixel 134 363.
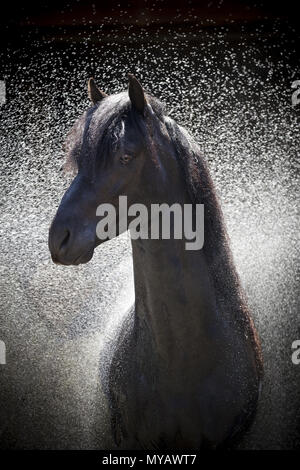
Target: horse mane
pixel 101 127
pixel 201 189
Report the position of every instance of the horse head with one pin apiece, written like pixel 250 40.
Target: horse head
pixel 108 145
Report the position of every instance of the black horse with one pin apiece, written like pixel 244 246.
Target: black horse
pixel 187 367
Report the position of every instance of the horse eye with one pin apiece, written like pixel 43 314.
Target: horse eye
pixel 125 158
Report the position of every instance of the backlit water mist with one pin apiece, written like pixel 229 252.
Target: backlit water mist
pixel 234 95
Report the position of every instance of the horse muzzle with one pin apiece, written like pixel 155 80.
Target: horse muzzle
pixel 70 246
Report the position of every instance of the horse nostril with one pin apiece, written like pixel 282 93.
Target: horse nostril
pixel 65 240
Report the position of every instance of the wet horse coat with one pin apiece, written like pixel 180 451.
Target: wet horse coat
pixel 187 366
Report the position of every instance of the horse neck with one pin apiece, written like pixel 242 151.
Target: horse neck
pixel 175 297
pixel 174 294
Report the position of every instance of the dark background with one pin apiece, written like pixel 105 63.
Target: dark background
pixel 224 70
pixel 33 25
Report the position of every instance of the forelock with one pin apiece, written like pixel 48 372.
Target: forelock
pixel 101 126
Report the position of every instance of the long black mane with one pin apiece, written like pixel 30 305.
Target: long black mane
pixel 229 292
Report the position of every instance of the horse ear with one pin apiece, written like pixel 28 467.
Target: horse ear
pixel 136 94
pixel 95 94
